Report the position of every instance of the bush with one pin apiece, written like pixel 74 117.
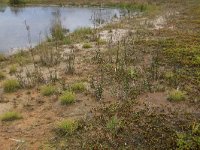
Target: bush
pixel 10 116
pixel 16 2
pixel 113 124
pixel 87 45
pixel 83 31
pixel 67 127
pixel 11 85
pixel 13 69
pixel 48 90
pixel 176 95
pixel 2 57
pixel 78 87
pixel 67 98
pixel 2 76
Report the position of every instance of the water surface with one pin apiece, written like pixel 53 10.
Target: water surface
pixel 13 33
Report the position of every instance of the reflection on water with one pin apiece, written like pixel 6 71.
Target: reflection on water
pixel 13 32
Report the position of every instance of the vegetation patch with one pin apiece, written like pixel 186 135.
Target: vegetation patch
pixel 87 46
pixel 67 97
pixel 2 57
pixel 13 69
pixel 176 96
pixel 2 76
pixel 10 116
pixel 78 87
pixel 114 124
pixel 11 85
pixel 48 90
pixel 67 127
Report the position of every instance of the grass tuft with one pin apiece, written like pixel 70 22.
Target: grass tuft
pixel 67 98
pixel 78 87
pixel 2 57
pixel 87 46
pixel 176 96
pixel 10 116
pixel 13 69
pixel 67 127
pixel 2 76
pixel 48 90
pixel 11 85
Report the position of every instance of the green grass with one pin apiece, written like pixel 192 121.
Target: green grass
pixel 10 116
pixel 83 31
pixel 87 46
pixel 13 69
pixel 113 124
pixel 48 90
pixel 67 127
pixel 2 76
pixel 78 87
pixel 67 98
pixel 176 96
pixel 11 85
pixel 2 57
pixel 16 2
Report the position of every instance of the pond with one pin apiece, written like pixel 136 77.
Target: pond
pixel 13 31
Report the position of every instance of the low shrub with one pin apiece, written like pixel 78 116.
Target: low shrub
pixel 13 69
pixel 10 116
pixel 16 2
pixel 78 87
pixel 87 45
pixel 2 57
pixel 2 76
pixel 11 85
pixel 67 127
pixel 67 98
pixel 48 90
pixel 113 124
pixel 176 96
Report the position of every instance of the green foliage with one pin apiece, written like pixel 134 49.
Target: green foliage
pixel 57 30
pixel 176 96
pixel 2 57
pixel 11 85
pixel 48 90
pixel 78 87
pixel 184 56
pixel 10 116
pixel 2 76
pixel 190 140
pixel 67 97
pixel 13 69
pixel 82 31
pixel 87 45
pixel 81 34
pixel 67 40
pixel 16 2
pixel 114 124
pixel 67 127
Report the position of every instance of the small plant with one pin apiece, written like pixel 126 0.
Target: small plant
pixel 2 76
pixel 2 57
pixel 176 96
pixel 78 87
pixel 10 116
pixel 67 127
pixel 13 69
pixel 113 124
pixel 16 2
pixel 196 128
pixel 48 90
pixel 11 85
pixel 87 46
pixel 67 98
